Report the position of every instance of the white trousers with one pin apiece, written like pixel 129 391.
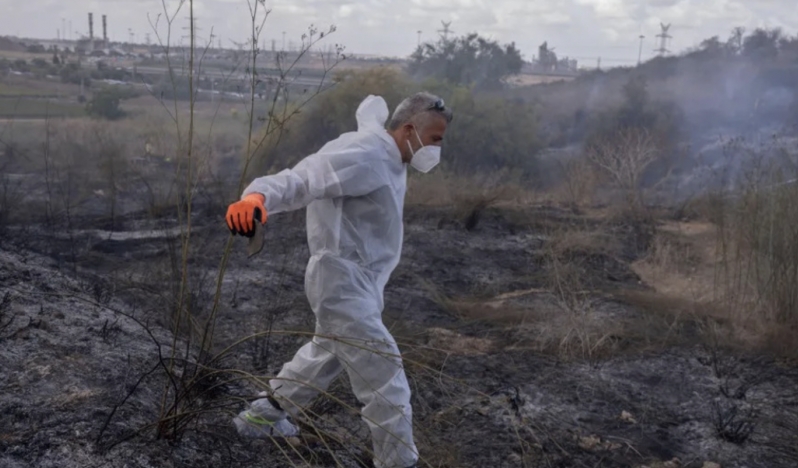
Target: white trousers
pixel 350 336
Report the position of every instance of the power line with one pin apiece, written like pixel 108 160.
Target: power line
pixel 446 31
pixel 192 28
pixel 604 59
pixel 663 36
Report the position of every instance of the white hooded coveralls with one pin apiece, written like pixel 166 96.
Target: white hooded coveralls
pixel 354 189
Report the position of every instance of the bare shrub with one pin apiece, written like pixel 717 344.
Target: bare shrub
pixel 185 293
pixel 596 240
pixel 622 159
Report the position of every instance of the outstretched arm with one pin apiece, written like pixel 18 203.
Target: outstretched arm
pixel 322 175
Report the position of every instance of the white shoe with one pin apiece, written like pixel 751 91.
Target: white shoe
pixel 263 420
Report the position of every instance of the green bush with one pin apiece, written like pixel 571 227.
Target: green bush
pixel 20 65
pixel 72 73
pixel 42 68
pixel 36 49
pixel 488 132
pixel 105 102
pixel 491 133
pixel 327 116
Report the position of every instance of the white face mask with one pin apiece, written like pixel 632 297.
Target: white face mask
pixel 426 157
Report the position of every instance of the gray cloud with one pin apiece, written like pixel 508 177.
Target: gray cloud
pixel 585 29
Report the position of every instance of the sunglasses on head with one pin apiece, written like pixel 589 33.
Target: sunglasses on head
pixel 438 105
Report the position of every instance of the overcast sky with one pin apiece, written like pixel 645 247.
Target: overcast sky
pixel 583 29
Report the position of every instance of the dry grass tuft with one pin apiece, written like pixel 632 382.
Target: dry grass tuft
pixel 579 185
pixel 454 343
pixel 681 261
pixel 590 241
pixel 536 320
pixel 491 310
pixel 576 330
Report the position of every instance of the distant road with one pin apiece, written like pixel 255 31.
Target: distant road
pixel 218 74
pixel 10 120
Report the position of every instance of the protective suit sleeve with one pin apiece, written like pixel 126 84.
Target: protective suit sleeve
pixel 322 175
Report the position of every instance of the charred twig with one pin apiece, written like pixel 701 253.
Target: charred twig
pixel 120 404
pixel 732 425
pixel 5 304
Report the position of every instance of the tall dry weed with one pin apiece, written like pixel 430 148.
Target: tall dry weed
pixel 580 182
pixel 757 225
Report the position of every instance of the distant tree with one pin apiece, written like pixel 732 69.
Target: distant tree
pixel 788 48
pixel 56 60
pixel 470 60
pixel 634 112
pixel 735 42
pixel 712 48
pixel 762 44
pixel 659 119
pixel 713 43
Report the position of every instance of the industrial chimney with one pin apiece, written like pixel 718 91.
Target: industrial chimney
pixel 105 32
pixel 91 27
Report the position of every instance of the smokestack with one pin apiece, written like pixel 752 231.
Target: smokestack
pixel 91 27
pixel 105 31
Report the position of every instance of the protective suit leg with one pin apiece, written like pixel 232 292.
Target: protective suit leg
pixel 310 372
pixel 378 381
pixel 353 338
pixel 380 384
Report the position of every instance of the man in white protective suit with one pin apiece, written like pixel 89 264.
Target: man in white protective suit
pixel 354 189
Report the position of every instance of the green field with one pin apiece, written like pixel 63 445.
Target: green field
pixel 16 89
pixel 28 108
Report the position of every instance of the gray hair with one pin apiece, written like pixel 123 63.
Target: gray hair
pixel 416 109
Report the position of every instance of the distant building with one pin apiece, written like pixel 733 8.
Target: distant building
pixel 547 62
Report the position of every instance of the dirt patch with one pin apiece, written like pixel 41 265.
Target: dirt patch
pixel 451 342
pixel 682 261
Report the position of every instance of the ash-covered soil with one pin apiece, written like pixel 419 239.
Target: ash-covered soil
pixel 480 320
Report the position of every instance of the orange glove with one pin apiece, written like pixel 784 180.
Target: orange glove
pixel 240 215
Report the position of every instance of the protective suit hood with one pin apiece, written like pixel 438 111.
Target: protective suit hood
pixel 372 114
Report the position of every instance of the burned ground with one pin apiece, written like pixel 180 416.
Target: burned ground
pixel 523 334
